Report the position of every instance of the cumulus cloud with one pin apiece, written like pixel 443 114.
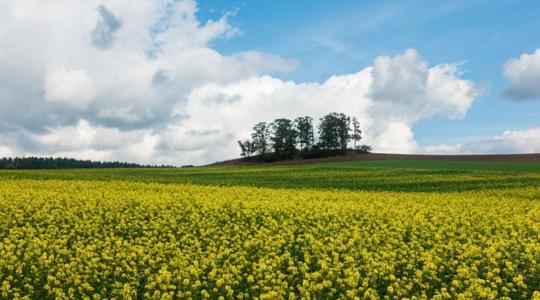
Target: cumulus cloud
pixel 387 117
pixel 401 79
pixel 141 83
pixel 396 138
pixel 70 87
pixel 508 142
pixel 524 74
pixel 89 141
pixel 406 89
pixel 83 135
pixel 54 73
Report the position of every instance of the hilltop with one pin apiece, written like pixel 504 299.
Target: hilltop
pixel 530 157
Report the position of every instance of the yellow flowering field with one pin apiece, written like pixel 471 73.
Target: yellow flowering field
pixel 123 240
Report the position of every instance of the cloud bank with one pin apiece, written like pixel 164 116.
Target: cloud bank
pixel 141 83
pixel 508 142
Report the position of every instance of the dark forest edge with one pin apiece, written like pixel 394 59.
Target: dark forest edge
pixel 65 163
pixel 285 139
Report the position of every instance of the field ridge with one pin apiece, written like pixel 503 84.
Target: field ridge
pixel 528 157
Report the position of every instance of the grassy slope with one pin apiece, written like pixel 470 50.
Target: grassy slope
pixel 404 175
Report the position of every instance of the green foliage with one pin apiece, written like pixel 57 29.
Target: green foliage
pixel 304 127
pixel 283 138
pixel 405 176
pixel 247 147
pixel 285 135
pixel 365 149
pixel 356 134
pixel 334 131
pixel 62 163
pixel 260 136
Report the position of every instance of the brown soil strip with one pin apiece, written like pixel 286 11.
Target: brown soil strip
pixel 533 157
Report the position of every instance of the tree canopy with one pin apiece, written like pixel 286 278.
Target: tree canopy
pixel 63 163
pixel 285 139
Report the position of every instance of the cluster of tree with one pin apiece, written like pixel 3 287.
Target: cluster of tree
pixel 64 163
pixel 286 139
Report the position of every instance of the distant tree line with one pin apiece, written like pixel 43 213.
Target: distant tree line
pixel 285 139
pixel 64 163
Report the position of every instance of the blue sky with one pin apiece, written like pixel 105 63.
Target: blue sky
pixel 341 37
pixel 180 81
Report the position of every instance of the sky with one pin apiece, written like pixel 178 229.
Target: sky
pixel 180 81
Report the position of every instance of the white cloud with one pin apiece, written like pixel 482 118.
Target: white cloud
pixel 407 90
pixel 6 151
pixel 83 135
pixel 508 142
pixel 70 87
pixel 524 74
pixel 400 79
pixel 50 59
pixel 387 118
pixel 119 81
pixel 397 138
pixel 96 142
pixel 184 31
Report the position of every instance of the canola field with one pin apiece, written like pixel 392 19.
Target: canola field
pixel 334 231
